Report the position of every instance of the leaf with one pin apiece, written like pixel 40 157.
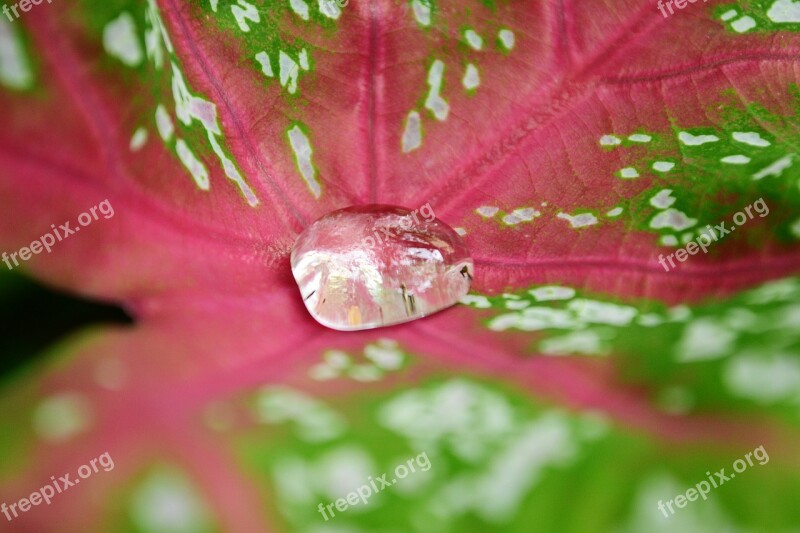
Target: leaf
pixel 578 147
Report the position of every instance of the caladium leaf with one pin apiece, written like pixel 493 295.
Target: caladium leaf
pixel 578 147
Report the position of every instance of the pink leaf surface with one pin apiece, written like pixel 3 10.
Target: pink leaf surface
pixel 530 114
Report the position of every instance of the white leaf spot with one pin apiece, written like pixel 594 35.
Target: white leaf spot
pixel 422 11
pixel 473 39
pixel 435 103
pixel 552 292
pixel 663 166
pixel 300 8
pixel 120 40
pixel 776 168
pixel 738 159
pixel 15 70
pixel 640 138
pixel 487 211
pixel 471 77
pixel 412 134
pixel 695 140
pixel 672 218
pixel 193 165
pixel 523 214
pixel 743 24
pixel 138 140
pixel 266 66
pixel 579 221
pixel 750 137
pixel 610 140
pixel 303 59
pixel 784 11
pixel 302 153
pixel 164 123
pixel 330 8
pixel 663 199
pixel 245 12
pixel 288 72
pixel 506 38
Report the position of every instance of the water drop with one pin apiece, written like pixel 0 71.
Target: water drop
pixel 364 267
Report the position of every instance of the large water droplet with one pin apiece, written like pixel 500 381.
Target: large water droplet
pixel 370 266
